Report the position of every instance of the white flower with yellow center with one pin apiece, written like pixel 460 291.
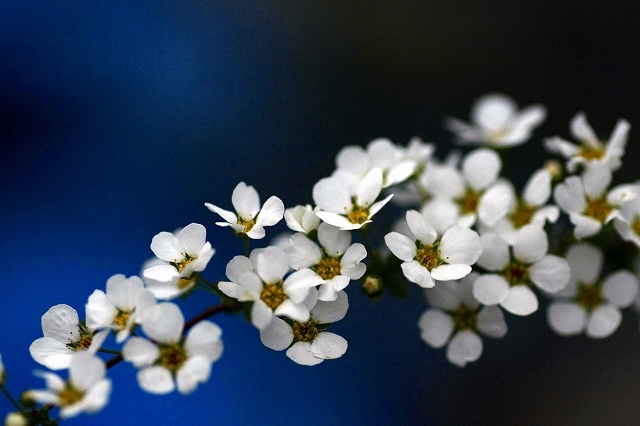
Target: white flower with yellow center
pixel 121 307
pixel 516 267
pixel 312 343
pixel 589 304
pixel 592 150
pixel 249 218
pixel 497 122
pixel 302 219
pixel 172 360
pixel 456 319
pixel 260 279
pixel 182 253
pixel 587 201
pixel 337 262
pixel 347 211
pixel 427 257
pixel 86 390
pixel 531 207
pixel 64 335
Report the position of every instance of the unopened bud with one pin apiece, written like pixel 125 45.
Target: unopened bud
pixel 15 419
pixel 555 169
pixel 27 400
pixel 372 285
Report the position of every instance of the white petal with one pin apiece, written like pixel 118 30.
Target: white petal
pixel 300 353
pixel 491 322
pixel 100 311
pixel 570 195
pixel 86 370
pixel 604 320
pixel 447 272
pixel 60 322
pixel 466 346
pixel 270 263
pixel 401 246
pixel 202 340
pixel 530 244
pixel 163 323
pixel 227 215
pixel 156 380
pixel 369 187
pixel 596 180
pixel 295 311
pixel 277 335
pixel 492 111
pixel 271 212
pixel 538 188
pixel 334 241
pixel 566 318
pixel 435 327
pixel 620 288
pixel 51 353
pixel 238 266
pixel 416 273
pixel 193 238
pixel 260 314
pixel 520 301
pixel 303 252
pixel 446 295
pixel 494 203
pixel 167 246
pixel 551 274
pixel 331 195
pixel 585 260
pixel 141 352
pixel 245 200
pixel 491 289
pixel 123 291
pixel 419 226
pixel 161 273
pixel 350 263
pixel 481 168
pixel 195 370
pixel 328 346
pixel 495 252
pixel 585 226
pixel 582 131
pixel 330 312
pixel 460 245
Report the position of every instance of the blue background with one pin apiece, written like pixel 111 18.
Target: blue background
pixel 119 119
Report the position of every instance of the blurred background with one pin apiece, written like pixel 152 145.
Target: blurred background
pixel 119 119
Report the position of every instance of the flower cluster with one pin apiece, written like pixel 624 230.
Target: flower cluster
pixel 477 245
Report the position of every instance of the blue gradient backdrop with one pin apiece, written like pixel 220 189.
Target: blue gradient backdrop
pixel 120 119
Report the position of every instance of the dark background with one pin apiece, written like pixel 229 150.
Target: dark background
pixel 119 119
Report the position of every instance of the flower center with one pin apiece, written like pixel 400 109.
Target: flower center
pixel 186 260
pixel 172 357
pixel 591 153
pixel 465 317
pixel 305 332
pixel 246 223
pixel 69 395
pixel 523 215
pixel 273 294
pixel 428 256
pixel 589 296
pixel 516 273
pixel 358 214
pixel 122 318
pixel 468 203
pixel 84 341
pixel 183 283
pixel 635 225
pixel 598 209
pixel 328 268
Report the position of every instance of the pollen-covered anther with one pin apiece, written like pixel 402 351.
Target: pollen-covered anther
pixel 517 273
pixel 358 214
pixel 305 332
pixel 428 257
pixel 589 296
pixel 69 395
pixel 599 209
pixel 273 295
pixel 246 223
pixel 122 318
pixel 172 357
pixel 328 268
pixel 591 153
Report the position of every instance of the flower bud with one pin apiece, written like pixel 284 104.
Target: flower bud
pixel 555 170
pixel 15 419
pixel 372 285
pixel 27 400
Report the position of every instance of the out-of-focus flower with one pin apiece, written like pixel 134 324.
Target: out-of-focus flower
pixel 587 303
pixel 64 335
pixel 86 390
pixel 249 218
pixel 592 150
pixel 497 122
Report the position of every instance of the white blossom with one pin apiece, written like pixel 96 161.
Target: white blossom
pixel 497 122
pixel 312 344
pixel 516 267
pixel 427 258
pixel 86 390
pixel 455 318
pixel 121 307
pixel 259 278
pixel 337 261
pixel 589 304
pixel 64 335
pixel 345 210
pixel 302 218
pixel 250 218
pixel 628 224
pixel 172 360
pixel 591 151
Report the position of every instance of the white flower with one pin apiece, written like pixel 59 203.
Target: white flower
pixel 173 360
pixel 347 211
pixel 428 258
pixel 516 267
pixel 587 201
pixel 628 226
pixel 530 208
pixel 497 122
pixel 260 279
pixel 313 344
pixel 476 192
pixel 455 312
pixel 588 304
pixel 86 390
pixel 302 219
pixel 64 335
pixel 250 218
pixel 592 150
pixel 183 253
pixel 121 307
pixel 337 262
